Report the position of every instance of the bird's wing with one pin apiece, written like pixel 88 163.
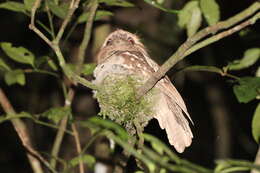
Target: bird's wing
pixel 170 115
pixel 171 112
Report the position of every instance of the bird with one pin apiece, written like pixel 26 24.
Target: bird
pixel 122 53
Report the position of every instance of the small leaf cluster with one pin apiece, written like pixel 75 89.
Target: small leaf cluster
pixel 190 17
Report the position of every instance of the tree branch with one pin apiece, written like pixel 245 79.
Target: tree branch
pixel 180 53
pixel 87 33
pixel 72 8
pixel 55 43
pixel 22 131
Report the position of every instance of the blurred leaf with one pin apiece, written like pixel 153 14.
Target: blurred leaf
pixel 250 57
pixel 155 143
pixel 43 60
pixel 256 124
pixel 194 22
pixel 121 3
pixel 3 65
pixel 55 114
pixel 52 64
pixel 107 124
pixel 58 10
pixel 28 4
pixel 18 54
pixel 228 165
pixel 71 67
pixel 99 15
pixel 88 69
pixel 162 147
pixel 210 10
pixel 158 4
pixel 247 89
pixel 204 68
pixel 15 76
pixel 184 16
pixel 13 6
pixel 257 73
pixel 163 171
pixel 86 158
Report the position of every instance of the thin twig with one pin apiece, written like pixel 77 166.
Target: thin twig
pixel 87 33
pixel 22 131
pixel 50 17
pixel 222 35
pixel 32 24
pixel 73 6
pixel 55 43
pixel 180 53
pixel 78 147
pixel 80 60
pixel 257 160
pixel 61 131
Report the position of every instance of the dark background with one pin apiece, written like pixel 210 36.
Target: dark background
pixel 222 126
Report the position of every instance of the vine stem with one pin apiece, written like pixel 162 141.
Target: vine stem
pixel 190 43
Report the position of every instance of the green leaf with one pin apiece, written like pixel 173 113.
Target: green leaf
pixel 121 3
pixel 195 21
pixel 155 143
pixel 184 16
pixel 55 114
pixel 58 10
pixel 204 68
pixel 15 76
pixel 52 64
pixel 18 54
pixel 256 124
pixel 257 73
pixel 45 59
pixel 88 69
pixel 3 65
pixel 71 67
pixel 86 158
pixel 28 4
pixel 96 121
pixel 99 15
pixel 210 10
pixel 250 57
pixel 158 4
pixel 248 89
pixel 13 6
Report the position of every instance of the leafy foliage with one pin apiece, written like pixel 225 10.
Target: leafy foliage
pixel 19 54
pixel 190 17
pixel 247 89
pixel 15 76
pixel 57 114
pixel 13 6
pixel 250 57
pixel 210 10
pixel 256 124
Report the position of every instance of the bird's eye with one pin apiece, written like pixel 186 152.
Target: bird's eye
pixel 109 42
pixel 131 40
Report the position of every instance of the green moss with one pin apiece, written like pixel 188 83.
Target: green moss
pixel 117 101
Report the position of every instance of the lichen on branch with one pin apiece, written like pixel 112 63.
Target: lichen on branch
pixel 118 101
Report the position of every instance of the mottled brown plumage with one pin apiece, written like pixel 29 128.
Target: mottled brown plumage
pixel 123 53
